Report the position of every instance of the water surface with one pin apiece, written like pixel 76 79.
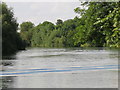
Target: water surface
pixel 62 68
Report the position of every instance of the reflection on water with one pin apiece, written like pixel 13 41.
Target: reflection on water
pixel 65 68
pixel 7 82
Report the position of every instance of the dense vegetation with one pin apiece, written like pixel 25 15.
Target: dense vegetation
pixel 97 26
pixel 11 41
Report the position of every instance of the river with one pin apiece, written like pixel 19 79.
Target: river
pixel 61 68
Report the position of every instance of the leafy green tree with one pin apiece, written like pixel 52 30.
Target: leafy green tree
pixel 48 25
pixel 97 26
pixel 11 41
pixel 26 32
pixel 59 21
pixel 111 25
pixel 101 22
pixel 41 34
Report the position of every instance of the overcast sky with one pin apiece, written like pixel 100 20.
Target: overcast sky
pixel 38 12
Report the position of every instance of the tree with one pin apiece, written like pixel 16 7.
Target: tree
pixel 101 23
pixel 111 25
pixel 97 26
pixel 26 32
pixel 11 41
pixel 59 21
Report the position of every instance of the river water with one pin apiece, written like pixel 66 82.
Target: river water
pixel 61 68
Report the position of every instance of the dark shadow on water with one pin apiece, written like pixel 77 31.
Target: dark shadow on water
pixel 9 57
pixel 47 56
pixel 7 82
pixel 7 60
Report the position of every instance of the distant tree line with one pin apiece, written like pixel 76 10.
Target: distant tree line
pixel 98 25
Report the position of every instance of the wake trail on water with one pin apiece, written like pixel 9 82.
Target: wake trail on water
pixel 16 72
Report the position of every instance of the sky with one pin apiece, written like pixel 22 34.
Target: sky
pixel 38 12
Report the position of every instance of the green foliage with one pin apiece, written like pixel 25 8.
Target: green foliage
pixel 100 25
pixel 11 41
pixel 45 35
pixel 111 25
pixel 26 32
pixel 97 26
pixel 59 21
